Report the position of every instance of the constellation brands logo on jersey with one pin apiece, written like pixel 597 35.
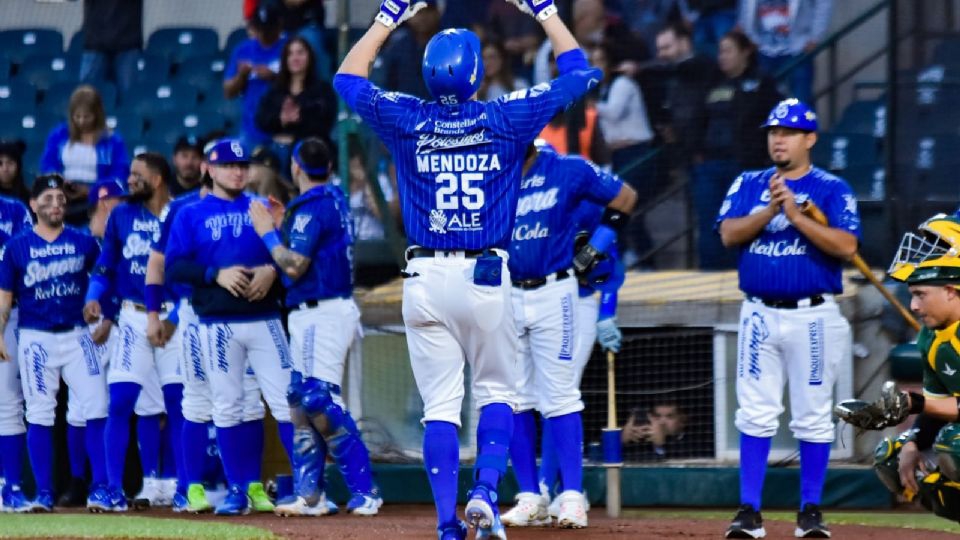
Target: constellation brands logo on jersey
pixel 234 221
pixel 37 272
pixel 778 248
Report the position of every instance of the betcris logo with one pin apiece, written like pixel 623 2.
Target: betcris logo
pixel 52 250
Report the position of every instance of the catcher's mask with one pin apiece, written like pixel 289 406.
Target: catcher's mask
pixel 929 257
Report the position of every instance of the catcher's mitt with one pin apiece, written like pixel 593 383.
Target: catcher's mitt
pixel 890 410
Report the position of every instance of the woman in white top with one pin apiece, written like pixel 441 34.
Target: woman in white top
pixel 84 151
pixel 498 79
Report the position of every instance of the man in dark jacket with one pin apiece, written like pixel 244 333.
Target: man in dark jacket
pixel 112 39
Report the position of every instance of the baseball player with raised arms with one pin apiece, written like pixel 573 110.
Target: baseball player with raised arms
pixel 14 218
pixel 458 169
pixel 791 329
pixel 545 310
pixel 46 270
pixel 214 248
pixel 135 364
pixel 315 257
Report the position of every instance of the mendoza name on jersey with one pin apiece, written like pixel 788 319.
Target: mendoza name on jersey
pixel 456 173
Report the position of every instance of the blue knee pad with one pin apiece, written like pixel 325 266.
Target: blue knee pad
pixel 317 402
pixel 308 464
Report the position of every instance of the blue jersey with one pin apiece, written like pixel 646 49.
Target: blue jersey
pixel 48 279
pixel 781 263
pixel 177 290
pixel 14 217
pixel 318 226
pixel 459 166
pixel 552 190
pixel 130 231
pixel 211 234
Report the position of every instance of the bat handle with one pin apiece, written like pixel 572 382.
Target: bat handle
pixel 611 391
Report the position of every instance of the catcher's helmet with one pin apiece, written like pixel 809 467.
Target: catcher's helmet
pixel 930 257
pixel 792 113
pixel 452 66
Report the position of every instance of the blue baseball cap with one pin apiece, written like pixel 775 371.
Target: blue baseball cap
pixel 792 113
pixel 105 189
pixel 226 151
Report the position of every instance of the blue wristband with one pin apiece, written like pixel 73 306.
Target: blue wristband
pixel 272 240
pixel 153 297
pixel 572 60
pixel 96 288
pixel 603 238
pixel 608 305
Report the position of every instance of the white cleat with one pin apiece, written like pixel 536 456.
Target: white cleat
pixel 573 510
pixel 299 507
pixel 151 494
pixel 530 511
pixel 364 505
pixel 168 488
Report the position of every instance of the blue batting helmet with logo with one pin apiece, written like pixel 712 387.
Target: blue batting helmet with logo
pixel 226 151
pixel 452 66
pixel 792 113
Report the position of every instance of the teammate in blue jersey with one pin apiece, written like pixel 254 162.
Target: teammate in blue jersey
pixel 214 248
pixel 458 171
pixel 545 310
pixel 14 218
pixel 135 364
pixel 46 270
pixel 791 329
pixel 314 250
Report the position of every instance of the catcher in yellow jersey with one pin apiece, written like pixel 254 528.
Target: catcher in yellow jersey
pixel 924 461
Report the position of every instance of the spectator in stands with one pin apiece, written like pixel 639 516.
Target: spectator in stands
pixel 661 434
pixel 518 34
pixel 711 20
pixel 264 176
pixel 367 219
pixel 498 78
pixel 784 31
pixel 112 40
pixel 732 142
pixel 307 19
pixel 576 130
pixel 465 14
pixel 398 66
pixel 646 17
pixel 187 157
pixel 11 170
pixel 298 104
pixel 84 151
pixel 252 67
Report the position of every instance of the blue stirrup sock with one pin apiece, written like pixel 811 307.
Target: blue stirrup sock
pixel 40 448
pixel 96 451
pixel 523 451
pixel 567 433
pixel 234 447
pixel 252 448
pixel 814 458
pixel 494 430
pixel 11 457
pixel 123 397
pixel 77 450
pixel 173 457
pixel 148 439
pixel 285 430
pixel 549 467
pixel 195 441
pixel 441 458
pixel 754 452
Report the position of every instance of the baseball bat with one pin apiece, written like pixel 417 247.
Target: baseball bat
pixel 613 470
pixel 812 211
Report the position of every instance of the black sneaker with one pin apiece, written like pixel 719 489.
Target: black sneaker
pixel 76 494
pixel 748 523
pixel 810 523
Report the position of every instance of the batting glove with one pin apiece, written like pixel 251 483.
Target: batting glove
pixel 393 13
pixel 541 9
pixel 608 335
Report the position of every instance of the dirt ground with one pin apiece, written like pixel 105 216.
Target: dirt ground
pixel 417 521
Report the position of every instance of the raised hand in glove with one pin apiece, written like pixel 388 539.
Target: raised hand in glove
pixel 541 9
pixel 608 335
pixel 891 409
pixel 393 13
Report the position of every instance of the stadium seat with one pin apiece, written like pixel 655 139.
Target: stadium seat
pixel 205 73
pixel 31 127
pixel 57 98
pixel 172 126
pixel 17 96
pixel 867 117
pixel 177 44
pixel 235 38
pixel 16 45
pixel 45 71
pixel 5 69
pixel 151 70
pixel 150 145
pixel 31 161
pixel 75 48
pixel 947 52
pixel 131 126
pixel 231 110
pixel 933 165
pixel 153 100
pixel 867 181
pixel 837 152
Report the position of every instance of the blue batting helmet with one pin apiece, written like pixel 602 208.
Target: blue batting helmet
pixel 452 66
pixel 792 113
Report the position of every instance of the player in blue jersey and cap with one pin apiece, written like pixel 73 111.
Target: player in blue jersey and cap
pixel 791 330
pixel 458 171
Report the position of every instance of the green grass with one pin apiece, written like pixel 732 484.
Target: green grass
pixel 874 519
pixel 101 526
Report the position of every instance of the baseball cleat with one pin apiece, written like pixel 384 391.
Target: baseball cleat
pixel 168 488
pixel 810 523
pixel 456 531
pixel 298 506
pixel 530 511
pixel 150 494
pixel 99 500
pixel 259 501
pixel 76 494
pixel 43 502
pixel 748 523
pixel 180 503
pixel 481 513
pixel 197 502
pixel 572 513
pixel 14 501
pixel 362 504
pixel 237 503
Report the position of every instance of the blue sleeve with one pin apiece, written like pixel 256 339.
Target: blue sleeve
pixel 50 159
pixel 25 221
pixel 7 268
pixel 159 243
pixel 106 265
pixel 231 70
pixel 841 210
pixel 530 109
pixel 735 204
pixel 178 266
pixel 304 239
pixel 594 184
pixel 93 253
pixel 382 110
pixel 120 159
pixel 610 287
